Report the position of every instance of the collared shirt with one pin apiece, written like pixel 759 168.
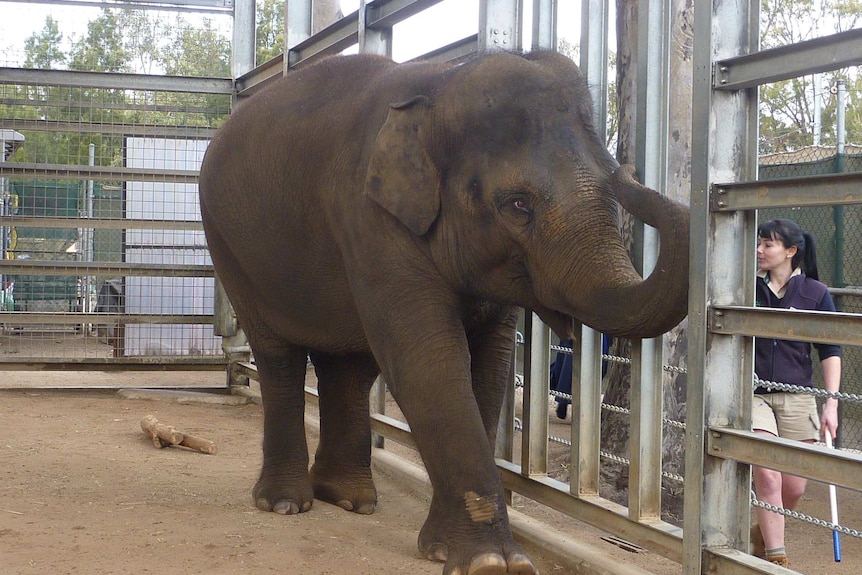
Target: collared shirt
pixel 787 361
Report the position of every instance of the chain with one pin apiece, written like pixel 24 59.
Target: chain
pixel 806 518
pixel 809 390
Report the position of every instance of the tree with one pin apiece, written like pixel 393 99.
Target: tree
pixel 43 49
pixel 787 107
pixel 103 48
pixel 269 40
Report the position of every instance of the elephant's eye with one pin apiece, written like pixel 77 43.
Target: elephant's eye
pixel 521 205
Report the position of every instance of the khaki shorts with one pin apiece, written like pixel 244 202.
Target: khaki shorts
pixel 787 415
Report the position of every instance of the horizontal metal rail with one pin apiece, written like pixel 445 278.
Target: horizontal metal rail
pixel 261 76
pixel 149 130
pixel 59 268
pixel 654 534
pixel 22 318
pixel 387 13
pixel 97 173
pixel 799 458
pixel 116 81
pixel 131 363
pixel 799 325
pixel 194 6
pixel 333 39
pixel 825 190
pixel 832 52
pixel 121 106
pixel 100 223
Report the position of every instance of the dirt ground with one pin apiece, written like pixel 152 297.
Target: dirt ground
pixel 82 490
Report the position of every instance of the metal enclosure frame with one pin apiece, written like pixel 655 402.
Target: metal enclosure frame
pixel 724 197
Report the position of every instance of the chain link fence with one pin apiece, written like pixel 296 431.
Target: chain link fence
pixel 837 231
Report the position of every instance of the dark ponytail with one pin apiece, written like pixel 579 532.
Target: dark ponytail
pixel 790 234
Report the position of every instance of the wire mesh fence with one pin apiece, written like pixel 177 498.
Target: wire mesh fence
pixel 837 232
pixel 103 252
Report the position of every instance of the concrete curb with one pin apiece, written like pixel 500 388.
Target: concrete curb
pixel 187 397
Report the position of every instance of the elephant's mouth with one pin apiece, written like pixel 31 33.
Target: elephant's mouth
pixel 561 324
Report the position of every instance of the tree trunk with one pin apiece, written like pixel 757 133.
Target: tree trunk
pixel 615 428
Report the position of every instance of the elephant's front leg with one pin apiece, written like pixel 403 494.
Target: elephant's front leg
pixel 429 372
pixel 284 486
pixel 341 473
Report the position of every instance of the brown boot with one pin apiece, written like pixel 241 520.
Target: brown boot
pixel 780 560
pixel 755 538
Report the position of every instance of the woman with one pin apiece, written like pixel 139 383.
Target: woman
pixel 788 278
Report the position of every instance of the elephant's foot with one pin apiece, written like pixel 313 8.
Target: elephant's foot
pixel 284 494
pixel 351 490
pixel 486 552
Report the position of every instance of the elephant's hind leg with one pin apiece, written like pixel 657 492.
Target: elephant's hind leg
pixel 284 486
pixel 341 473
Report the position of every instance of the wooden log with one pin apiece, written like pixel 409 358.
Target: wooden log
pixel 166 435
pixel 162 435
pixel 199 444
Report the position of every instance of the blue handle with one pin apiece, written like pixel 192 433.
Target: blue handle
pixel 836 546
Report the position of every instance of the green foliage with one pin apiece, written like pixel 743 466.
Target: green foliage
pixel 43 49
pixel 269 40
pixel 787 107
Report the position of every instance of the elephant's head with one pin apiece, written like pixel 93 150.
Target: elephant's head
pixel 499 168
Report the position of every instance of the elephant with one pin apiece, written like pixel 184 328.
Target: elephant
pixel 390 219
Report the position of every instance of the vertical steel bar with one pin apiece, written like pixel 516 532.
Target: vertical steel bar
pixel 544 25
pixel 719 368
pixel 242 59
pixel 373 41
pixel 537 361
pixel 500 25
pixel 653 71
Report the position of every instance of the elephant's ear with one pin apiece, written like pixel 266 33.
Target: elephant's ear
pixel 401 176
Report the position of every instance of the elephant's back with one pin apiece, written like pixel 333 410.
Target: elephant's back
pixel 264 203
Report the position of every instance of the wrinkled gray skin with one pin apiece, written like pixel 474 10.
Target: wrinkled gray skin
pixel 389 218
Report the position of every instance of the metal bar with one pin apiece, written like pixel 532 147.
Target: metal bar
pixel 99 223
pixel 60 268
pixel 98 173
pixel 195 6
pixel 132 363
pixel 796 457
pixel 724 130
pixel 387 13
pixel 261 76
pixel 586 407
pixel 125 106
pixel 813 326
pixel 833 52
pixel 23 318
pixel 336 37
pixel 537 360
pixel 499 25
pixel 392 429
pixel 96 128
pixel 116 81
pixel 655 535
pixel 454 51
pixel 833 189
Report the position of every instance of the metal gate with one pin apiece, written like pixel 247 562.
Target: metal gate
pixel 103 261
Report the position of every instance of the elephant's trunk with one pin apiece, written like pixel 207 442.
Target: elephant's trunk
pixel 653 306
pixel 621 303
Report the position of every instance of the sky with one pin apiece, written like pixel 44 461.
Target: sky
pixel 438 26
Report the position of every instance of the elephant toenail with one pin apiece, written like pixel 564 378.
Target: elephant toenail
pixel 286 508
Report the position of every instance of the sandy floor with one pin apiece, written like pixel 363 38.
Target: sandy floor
pixel 83 491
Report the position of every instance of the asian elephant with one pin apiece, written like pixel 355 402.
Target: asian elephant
pixel 389 218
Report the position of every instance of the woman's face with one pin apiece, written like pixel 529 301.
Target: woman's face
pixel 772 255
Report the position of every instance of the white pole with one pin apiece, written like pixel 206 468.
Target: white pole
pixel 833 504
